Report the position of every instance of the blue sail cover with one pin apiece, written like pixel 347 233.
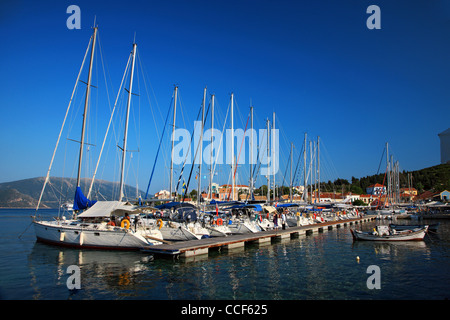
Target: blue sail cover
pixel 81 202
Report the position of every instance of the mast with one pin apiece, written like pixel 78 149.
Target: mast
pixel 273 156
pixel 315 170
pixel 305 193
pixel 232 150
pixel 125 136
pixel 318 165
pixel 311 167
pixel 199 194
pixel 290 184
pixel 251 153
pixel 268 158
pixel 393 178
pixel 211 154
pixel 388 175
pixel 47 177
pixel 86 104
pixel 173 138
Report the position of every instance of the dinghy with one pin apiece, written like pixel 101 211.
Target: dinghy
pixel 384 233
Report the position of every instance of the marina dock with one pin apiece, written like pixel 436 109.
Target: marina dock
pixel 185 249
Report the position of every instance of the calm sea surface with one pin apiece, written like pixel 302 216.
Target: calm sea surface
pixel 316 267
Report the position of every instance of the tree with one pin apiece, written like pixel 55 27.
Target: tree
pixel 356 189
pixel 359 202
pixel 419 186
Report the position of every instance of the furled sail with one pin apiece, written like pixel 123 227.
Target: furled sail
pixel 81 202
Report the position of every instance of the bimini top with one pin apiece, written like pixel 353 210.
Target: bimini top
pixel 175 205
pixel 107 209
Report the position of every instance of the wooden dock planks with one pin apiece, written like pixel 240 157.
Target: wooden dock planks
pixel 202 246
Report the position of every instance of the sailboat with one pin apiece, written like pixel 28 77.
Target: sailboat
pixel 387 209
pixel 100 224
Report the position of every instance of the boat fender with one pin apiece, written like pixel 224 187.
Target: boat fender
pixel 125 222
pixel 159 223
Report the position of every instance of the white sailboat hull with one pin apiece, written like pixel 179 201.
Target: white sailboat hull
pixel 241 227
pixel 219 231
pixel 93 236
pixel 177 233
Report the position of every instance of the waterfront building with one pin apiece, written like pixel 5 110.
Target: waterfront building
pixel 376 189
pixel 225 191
pixel 367 198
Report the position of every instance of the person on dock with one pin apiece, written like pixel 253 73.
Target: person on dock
pixel 275 221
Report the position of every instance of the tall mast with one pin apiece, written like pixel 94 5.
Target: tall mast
pixel 305 193
pixel 199 192
pixel 388 175
pixel 268 160
pixel 318 165
pixel 392 188
pixel 273 156
pixel 124 150
pixel 251 153
pixel 86 104
pixel 315 170
pixel 290 184
pixel 211 154
pixel 173 138
pixel 232 150
pixel 311 167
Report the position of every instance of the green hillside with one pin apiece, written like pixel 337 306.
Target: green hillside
pixel 25 193
pixel 436 178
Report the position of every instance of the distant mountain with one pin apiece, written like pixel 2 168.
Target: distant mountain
pixel 25 193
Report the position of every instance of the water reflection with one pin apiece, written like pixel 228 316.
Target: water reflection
pixel 390 250
pixel 101 271
pixel 320 266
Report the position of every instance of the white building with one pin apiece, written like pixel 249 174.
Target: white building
pixel 376 189
pixel 163 194
pixel 445 145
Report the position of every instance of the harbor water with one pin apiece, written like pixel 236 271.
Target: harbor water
pixel 321 266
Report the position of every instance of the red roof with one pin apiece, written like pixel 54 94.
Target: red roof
pixel 376 185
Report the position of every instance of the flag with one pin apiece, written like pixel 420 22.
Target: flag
pixel 184 189
pixel 217 210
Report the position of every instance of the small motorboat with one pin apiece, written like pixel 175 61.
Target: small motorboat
pixel 385 233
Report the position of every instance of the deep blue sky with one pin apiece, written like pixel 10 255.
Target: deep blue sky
pixel 314 63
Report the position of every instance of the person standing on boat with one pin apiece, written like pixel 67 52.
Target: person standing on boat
pixel 136 222
pixel 283 219
pixel 275 221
